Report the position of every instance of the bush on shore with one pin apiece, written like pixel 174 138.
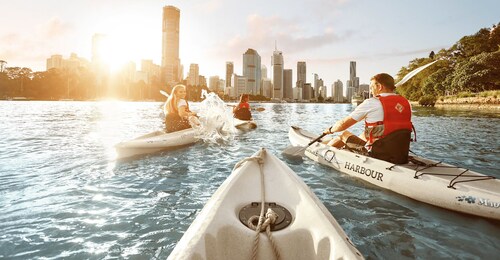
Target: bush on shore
pixel 427 101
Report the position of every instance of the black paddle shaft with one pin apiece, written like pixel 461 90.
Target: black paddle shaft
pixel 317 139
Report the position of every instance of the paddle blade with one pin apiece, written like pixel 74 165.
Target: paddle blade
pixel 294 151
pixel 260 109
pixel 413 73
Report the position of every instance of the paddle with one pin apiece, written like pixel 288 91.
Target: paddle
pixel 298 151
pixel 164 93
pixel 413 73
pixel 259 109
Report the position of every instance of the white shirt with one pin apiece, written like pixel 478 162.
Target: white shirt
pixel 181 103
pixel 371 110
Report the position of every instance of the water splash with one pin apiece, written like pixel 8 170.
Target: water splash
pixel 215 120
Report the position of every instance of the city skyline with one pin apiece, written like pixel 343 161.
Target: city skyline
pixel 327 35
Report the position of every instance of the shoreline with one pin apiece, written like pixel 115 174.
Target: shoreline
pixel 489 103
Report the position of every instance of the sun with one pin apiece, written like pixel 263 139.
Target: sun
pixel 115 51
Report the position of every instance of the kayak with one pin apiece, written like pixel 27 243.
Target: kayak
pixel 244 124
pixel 154 142
pixel 303 228
pixel 425 180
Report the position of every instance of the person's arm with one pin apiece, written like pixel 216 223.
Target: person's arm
pixel 341 125
pixel 183 112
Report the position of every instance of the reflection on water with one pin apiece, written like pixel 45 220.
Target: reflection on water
pixel 64 196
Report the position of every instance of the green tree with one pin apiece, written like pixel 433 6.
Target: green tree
pixel 480 73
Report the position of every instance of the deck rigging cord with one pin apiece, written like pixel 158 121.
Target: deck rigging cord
pixel 264 220
pixel 468 178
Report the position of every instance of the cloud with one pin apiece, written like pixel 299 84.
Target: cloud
pixel 22 48
pixel 210 6
pixel 54 27
pixel 290 36
pixel 380 56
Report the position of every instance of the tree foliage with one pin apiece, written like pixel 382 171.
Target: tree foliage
pixel 470 65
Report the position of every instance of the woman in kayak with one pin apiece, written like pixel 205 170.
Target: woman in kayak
pixel 242 110
pixel 177 113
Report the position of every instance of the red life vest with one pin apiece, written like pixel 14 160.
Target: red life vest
pixel 397 115
pixel 244 105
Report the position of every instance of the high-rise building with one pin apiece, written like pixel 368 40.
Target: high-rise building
pixel 267 88
pixel 213 83
pixel 55 62
pixel 194 75
pixel 277 70
pixel 287 84
pixel 316 85
pixel 307 91
pixel 301 76
pixel 338 92
pixel 263 73
pixel 170 62
pixel 229 73
pixel 252 71
pixel 354 81
pixel 239 84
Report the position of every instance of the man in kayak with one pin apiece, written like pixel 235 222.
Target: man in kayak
pixel 388 124
pixel 177 113
pixel 242 110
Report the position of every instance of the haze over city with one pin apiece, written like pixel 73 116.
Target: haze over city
pixel 381 36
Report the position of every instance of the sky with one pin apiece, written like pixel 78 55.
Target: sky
pixel 380 35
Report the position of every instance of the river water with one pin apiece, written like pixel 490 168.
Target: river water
pixel 63 194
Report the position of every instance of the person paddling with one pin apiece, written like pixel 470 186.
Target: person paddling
pixel 177 113
pixel 388 125
pixel 242 110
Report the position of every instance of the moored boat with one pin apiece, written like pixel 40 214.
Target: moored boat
pixel 155 142
pixel 425 180
pixel 303 228
pixel 244 124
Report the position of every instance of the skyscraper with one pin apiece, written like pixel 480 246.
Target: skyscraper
pixel 354 81
pixel 170 61
pixel 338 92
pixel 301 77
pixel 252 71
pixel 287 84
pixel 263 70
pixel 229 73
pixel 277 70
pixel 194 75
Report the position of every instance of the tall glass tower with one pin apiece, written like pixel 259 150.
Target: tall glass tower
pixel 170 61
pixel 277 70
pixel 229 73
pixel 252 71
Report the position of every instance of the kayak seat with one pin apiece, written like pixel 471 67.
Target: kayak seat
pixel 393 148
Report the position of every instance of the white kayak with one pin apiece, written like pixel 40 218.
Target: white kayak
pixel 154 142
pixel 303 229
pixel 428 181
pixel 244 124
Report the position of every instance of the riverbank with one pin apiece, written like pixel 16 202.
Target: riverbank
pixel 490 103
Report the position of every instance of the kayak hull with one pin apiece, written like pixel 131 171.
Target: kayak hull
pixel 421 179
pixel 244 124
pixel 155 142
pixel 217 232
